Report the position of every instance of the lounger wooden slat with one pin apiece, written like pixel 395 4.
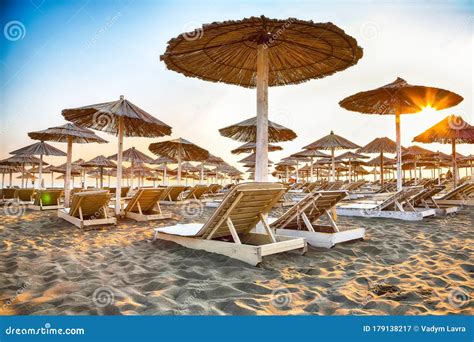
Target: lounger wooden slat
pixel 48 199
pixel 145 206
pixel 242 244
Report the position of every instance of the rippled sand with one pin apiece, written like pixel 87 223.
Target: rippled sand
pixel 49 267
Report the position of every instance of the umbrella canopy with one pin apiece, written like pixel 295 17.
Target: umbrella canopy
pixel 132 155
pixel 163 161
pixel 380 160
pixel 99 162
pixel 351 158
pixel 398 98
pixel 251 147
pixel 246 131
pixel 120 118
pixel 181 150
pixel 251 159
pixel 451 130
pixel 20 161
pixel 68 133
pixel 261 52
pixel 380 145
pixel 332 142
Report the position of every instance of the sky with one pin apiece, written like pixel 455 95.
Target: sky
pixel 65 54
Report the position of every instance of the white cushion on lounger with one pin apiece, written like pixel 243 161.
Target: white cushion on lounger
pixel 188 229
pixel 270 220
pixel 358 206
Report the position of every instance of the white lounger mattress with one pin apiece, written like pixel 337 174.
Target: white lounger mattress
pixel 188 229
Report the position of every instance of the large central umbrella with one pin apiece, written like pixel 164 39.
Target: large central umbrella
pixel 451 130
pixel 179 149
pixel 332 142
pixel 380 145
pixel 398 98
pixel 100 162
pixel 121 118
pixel 261 52
pixel 68 133
pixel 39 149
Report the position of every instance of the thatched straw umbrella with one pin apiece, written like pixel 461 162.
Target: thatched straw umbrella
pixel 288 164
pixel 415 154
pixel 100 162
pixel 212 160
pixel 21 161
pixel 134 157
pixel 74 169
pixel 121 118
pixel 380 145
pixel 469 160
pixel 451 130
pixel 398 98
pixel 332 142
pixel 250 159
pixel 10 169
pixel 181 150
pixel 68 133
pixel 39 149
pixel 261 52
pixel 163 161
pixel 311 154
pixel 251 147
pixel 189 169
pixel 351 157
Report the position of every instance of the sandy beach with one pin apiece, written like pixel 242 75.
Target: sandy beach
pixel 49 267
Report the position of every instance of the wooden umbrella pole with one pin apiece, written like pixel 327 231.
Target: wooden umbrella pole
pixel 455 166
pixel 202 173
pixel 40 171
pixel 333 166
pixel 381 168
pixel 297 171
pixel 67 179
pixel 399 150
pixel 416 175
pixel 164 175
pixel 101 177
pixel 11 178
pixel 179 165
pixel 350 171
pixel 118 187
pixel 52 179
pixel 261 165
pixel 311 169
pixel 22 175
pixel 131 173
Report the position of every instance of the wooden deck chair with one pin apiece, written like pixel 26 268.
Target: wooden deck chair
pixel 25 196
pixel 48 199
pixel 173 194
pixel 196 192
pixel 228 230
pixel 9 194
pixel 300 220
pixel 145 206
pixel 213 188
pixel 396 206
pixel 461 195
pixel 424 199
pixel 88 208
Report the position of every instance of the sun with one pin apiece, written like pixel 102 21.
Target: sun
pixel 428 110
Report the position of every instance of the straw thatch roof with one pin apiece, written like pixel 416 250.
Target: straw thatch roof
pixel 379 145
pixel 310 154
pixel 214 160
pixel 286 162
pixel 351 156
pixel 186 149
pixel 283 168
pixel 467 158
pixel 18 160
pixel 133 155
pixel 39 148
pixel 163 160
pixel 450 128
pixel 401 96
pixel 99 161
pixel 246 131
pixel 251 159
pixel 414 152
pixel 104 117
pixel 227 51
pixel 377 161
pixel 252 147
pixel 332 141
pixel 78 134
pixel 9 168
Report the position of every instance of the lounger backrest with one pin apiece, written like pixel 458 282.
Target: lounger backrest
pixel 457 191
pixel 426 194
pixel 197 191
pixel 25 194
pixel 213 188
pixel 401 196
pixel 91 203
pixel 243 205
pixel 147 197
pixel 175 191
pixel 48 197
pixel 9 193
pixel 313 205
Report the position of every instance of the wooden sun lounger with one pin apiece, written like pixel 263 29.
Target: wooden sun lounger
pixel 25 196
pixel 424 199
pixel 145 206
pixel 228 230
pixel 461 195
pixel 172 194
pixel 88 208
pixel 300 220
pixel 396 206
pixel 197 192
pixel 9 194
pixel 48 199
